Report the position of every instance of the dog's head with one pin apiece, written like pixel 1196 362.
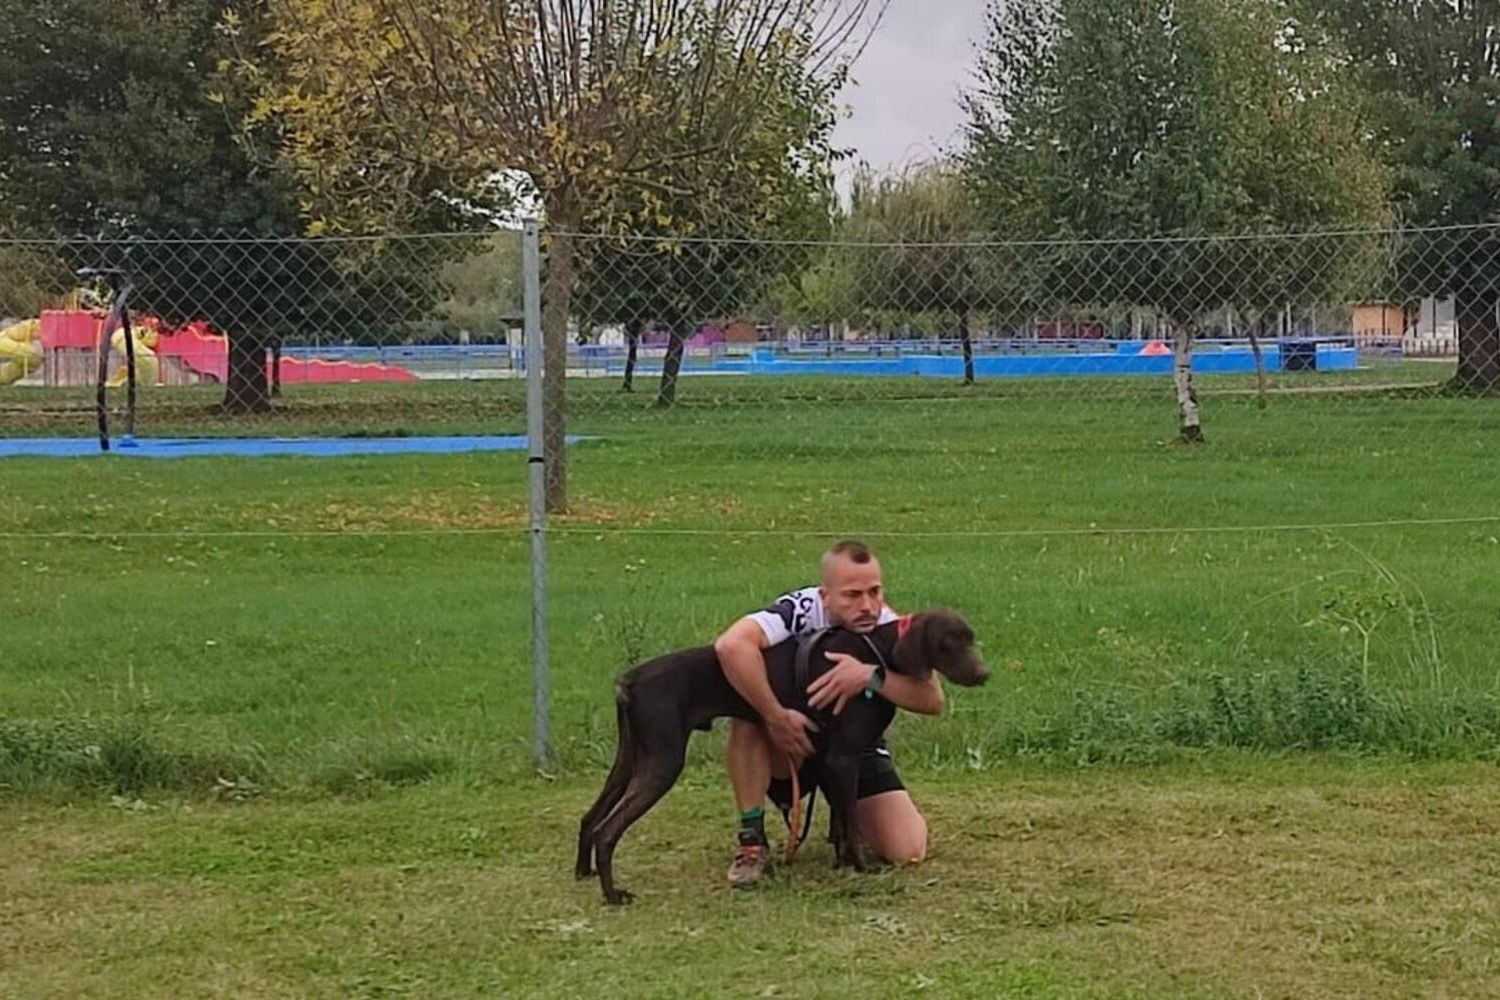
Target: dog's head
pixel 939 639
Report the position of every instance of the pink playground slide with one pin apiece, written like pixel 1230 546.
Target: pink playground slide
pixel 203 352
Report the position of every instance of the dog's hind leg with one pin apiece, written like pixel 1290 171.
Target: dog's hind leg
pixel 653 774
pixel 614 788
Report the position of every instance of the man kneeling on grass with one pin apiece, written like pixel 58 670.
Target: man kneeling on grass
pixel 850 596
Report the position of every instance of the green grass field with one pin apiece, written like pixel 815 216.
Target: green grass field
pixel 1229 877
pixel 264 723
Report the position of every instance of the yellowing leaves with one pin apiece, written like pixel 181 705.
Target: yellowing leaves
pixel 365 97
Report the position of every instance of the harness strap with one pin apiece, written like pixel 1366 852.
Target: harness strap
pixel 805 646
pixel 800 827
pixel 879 656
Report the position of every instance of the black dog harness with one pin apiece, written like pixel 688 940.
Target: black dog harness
pixel 809 643
pixel 802 675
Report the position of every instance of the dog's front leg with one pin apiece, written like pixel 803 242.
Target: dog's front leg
pixel 841 784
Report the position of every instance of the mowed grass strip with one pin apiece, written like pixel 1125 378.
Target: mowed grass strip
pixel 1233 876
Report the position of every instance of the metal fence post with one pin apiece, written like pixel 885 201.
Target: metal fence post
pixel 536 471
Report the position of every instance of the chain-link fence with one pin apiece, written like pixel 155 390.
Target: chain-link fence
pixel 1017 423
pixel 1071 319
pixel 221 327
pixel 971 406
pixel 342 332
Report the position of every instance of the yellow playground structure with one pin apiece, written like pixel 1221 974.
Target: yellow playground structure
pixel 21 353
pixel 21 350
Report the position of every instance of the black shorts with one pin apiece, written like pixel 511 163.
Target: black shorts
pixel 877 775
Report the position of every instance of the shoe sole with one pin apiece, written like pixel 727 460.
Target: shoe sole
pixel 747 883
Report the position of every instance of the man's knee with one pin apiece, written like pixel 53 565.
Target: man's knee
pixel 906 845
pixel 893 828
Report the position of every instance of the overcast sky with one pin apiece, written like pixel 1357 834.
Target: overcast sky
pixel 904 99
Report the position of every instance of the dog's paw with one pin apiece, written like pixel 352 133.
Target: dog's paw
pixel 583 871
pixel 619 897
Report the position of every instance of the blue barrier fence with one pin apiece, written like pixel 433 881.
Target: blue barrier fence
pixel 994 358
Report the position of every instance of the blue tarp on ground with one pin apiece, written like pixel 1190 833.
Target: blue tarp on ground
pixel 256 447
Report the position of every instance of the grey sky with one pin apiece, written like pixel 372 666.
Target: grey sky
pixel 905 97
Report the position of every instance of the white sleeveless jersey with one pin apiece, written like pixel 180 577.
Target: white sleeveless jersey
pixel 800 613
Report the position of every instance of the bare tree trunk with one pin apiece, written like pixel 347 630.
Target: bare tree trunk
pixel 1259 320
pixel 557 298
pixel 276 368
pixel 672 366
pixel 968 346
pixel 632 346
pixel 1478 343
pixel 247 390
pixel 1190 429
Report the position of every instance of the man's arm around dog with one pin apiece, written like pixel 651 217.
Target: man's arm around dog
pixel 850 678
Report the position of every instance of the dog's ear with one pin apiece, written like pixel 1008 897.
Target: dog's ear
pixel 940 640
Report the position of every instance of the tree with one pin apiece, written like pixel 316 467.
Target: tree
pixel 108 129
pixel 614 290
pixel 823 292
pixel 482 291
pixel 115 127
pixel 1193 122
pixel 913 236
pixel 1431 73
pixel 31 276
pixel 676 285
pixel 108 122
pixel 383 106
pixel 693 262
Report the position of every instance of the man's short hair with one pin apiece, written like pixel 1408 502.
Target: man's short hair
pixel 853 550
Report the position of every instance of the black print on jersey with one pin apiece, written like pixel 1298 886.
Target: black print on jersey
pixel 805 605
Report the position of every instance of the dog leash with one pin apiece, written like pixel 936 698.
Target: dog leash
pixel 793 841
pixel 799 825
pixel 800 675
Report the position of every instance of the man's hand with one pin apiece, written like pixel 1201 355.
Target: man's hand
pixel 788 731
pixel 848 679
pixel 740 652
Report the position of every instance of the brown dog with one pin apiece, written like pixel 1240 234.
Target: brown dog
pixel 661 702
